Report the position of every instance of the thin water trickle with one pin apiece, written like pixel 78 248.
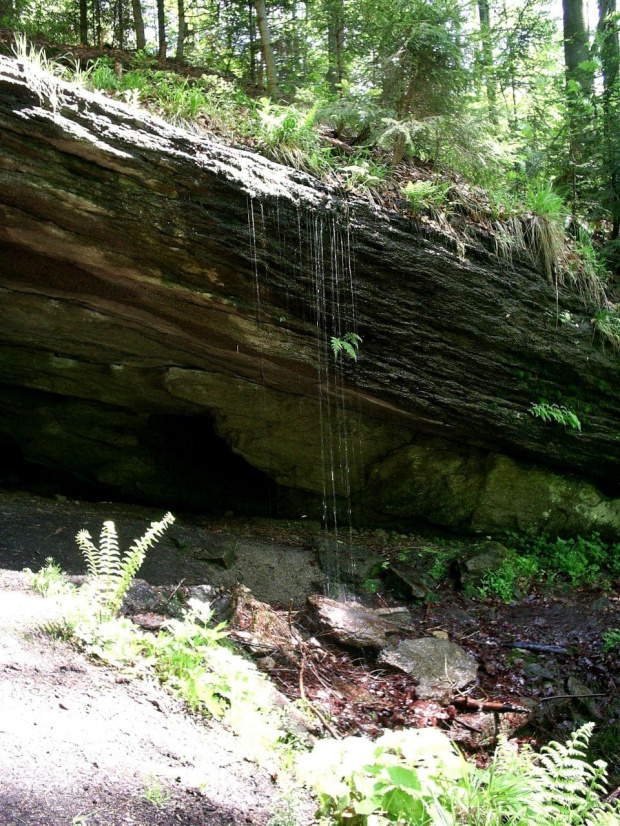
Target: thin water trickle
pixel 321 258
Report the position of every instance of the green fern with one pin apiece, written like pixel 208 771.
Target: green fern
pixel 110 575
pixel 348 344
pixel 557 414
pixel 569 787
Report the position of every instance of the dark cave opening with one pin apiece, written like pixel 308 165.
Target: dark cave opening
pixel 64 447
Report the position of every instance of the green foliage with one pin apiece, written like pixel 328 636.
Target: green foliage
pixel 110 575
pixel 509 578
pixel 607 325
pixel 426 195
pixel 555 413
pixel 611 639
pixel 289 136
pixel 577 560
pixel 51 580
pixel 363 176
pixel 155 795
pixel 416 778
pixel 348 344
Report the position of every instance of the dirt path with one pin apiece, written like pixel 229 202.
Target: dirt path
pixel 77 740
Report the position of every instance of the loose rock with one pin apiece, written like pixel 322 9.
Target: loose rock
pixel 440 666
pixel 351 623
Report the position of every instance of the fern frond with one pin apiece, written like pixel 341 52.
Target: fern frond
pixel 89 552
pixel 110 576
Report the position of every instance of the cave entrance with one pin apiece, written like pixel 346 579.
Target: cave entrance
pixel 95 453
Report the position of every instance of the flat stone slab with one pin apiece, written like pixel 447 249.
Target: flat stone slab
pixel 441 667
pixel 351 623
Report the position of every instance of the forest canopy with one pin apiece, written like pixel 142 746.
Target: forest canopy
pixel 518 98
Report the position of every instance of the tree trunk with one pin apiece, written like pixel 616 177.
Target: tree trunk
pixel 252 43
pixel 98 26
pixel 335 44
pixel 161 30
pixel 610 59
pixel 579 87
pixel 83 22
pixel 487 58
pixel 138 22
pixel 121 25
pixel 576 45
pixel 7 11
pixel 266 47
pixel 182 31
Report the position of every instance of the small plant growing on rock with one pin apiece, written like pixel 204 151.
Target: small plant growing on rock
pixel 557 414
pixel 348 344
pixel 110 575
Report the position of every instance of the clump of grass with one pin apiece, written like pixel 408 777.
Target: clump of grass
pixel 43 73
pixel 544 229
pixel 155 794
pixel 607 325
pixel 51 580
pixel 288 135
pixel 426 196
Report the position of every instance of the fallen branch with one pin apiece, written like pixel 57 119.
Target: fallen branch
pixel 534 646
pixel 487 705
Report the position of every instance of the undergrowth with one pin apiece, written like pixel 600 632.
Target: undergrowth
pixel 191 657
pixel 541 560
pixel 417 778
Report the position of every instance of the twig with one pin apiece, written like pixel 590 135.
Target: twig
pixel 570 697
pixel 173 594
pixel 302 693
pixel 328 726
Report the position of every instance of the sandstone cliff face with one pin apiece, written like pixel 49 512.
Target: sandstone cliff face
pixel 149 275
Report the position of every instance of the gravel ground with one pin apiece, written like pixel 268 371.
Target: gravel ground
pixel 78 743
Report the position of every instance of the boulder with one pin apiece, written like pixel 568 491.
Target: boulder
pixel 346 563
pixel 439 666
pixel 157 282
pixel 478 560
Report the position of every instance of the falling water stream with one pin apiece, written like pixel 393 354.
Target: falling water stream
pixel 319 269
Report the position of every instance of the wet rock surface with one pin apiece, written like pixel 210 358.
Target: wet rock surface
pixel 440 667
pixel 352 624
pixel 134 252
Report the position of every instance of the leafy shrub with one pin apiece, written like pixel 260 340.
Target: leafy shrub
pixel 512 575
pixel 611 639
pixel 417 778
pixel 607 325
pixel 577 560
